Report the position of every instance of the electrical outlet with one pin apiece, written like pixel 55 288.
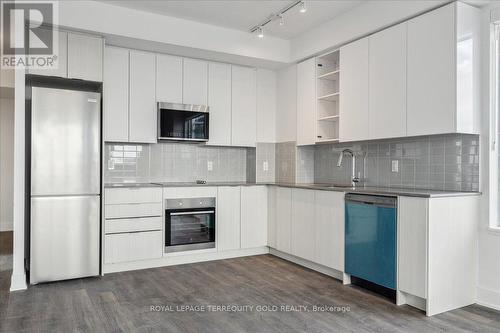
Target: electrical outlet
pixel 210 165
pixel 395 166
pixel 265 166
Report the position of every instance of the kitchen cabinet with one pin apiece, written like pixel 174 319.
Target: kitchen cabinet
pixel 85 57
pixel 133 224
pixel 306 102
pixel 266 105
pixel 228 218
pixel 219 101
pixel 271 216
pixel 437 247
pixel 169 78
pixel 62 59
pixel 244 107
pixel 387 83
pixel 329 229
pixel 195 82
pixel 115 94
pixel 303 237
pixel 283 219
pixel 443 69
pixel 354 114
pixel 253 216
pixel 142 108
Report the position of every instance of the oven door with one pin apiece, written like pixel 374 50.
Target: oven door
pixel 189 229
pixel 182 125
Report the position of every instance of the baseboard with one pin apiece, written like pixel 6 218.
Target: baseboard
pixel 308 264
pixel 18 282
pixel 489 298
pixel 180 259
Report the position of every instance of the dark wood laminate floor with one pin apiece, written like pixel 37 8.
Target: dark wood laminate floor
pixel 122 302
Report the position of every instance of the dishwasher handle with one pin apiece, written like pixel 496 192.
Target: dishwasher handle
pixel 375 200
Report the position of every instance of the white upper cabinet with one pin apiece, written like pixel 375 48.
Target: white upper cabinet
pixel 387 83
pixel 115 95
pixel 354 115
pixel 253 216
pixel 266 105
pixel 244 108
pixel 306 102
pixel 219 102
pixel 195 82
pixel 142 127
pixel 443 69
pixel 62 58
pixel 431 73
pixel 85 57
pixel 168 79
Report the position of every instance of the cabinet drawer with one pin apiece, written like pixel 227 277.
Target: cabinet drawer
pixel 132 195
pixel 133 210
pixel 130 225
pixel 133 246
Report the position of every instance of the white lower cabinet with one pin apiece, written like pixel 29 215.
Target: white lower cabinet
pixel 303 224
pixel 133 246
pixel 283 219
pixel 271 216
pixel 253 216
pixel 329 218
pixel 228 218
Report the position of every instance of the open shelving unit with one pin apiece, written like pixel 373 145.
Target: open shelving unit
pixel 328 96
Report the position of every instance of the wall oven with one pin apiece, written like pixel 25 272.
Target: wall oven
pixel 182 122
pixel 189 224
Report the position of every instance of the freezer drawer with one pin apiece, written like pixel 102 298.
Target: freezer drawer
pixel 370 240
pixel 64 238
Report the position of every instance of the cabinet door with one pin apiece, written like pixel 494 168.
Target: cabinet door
pixel 283 219
pixel 132 246
pixel 431 73
pixel 329 215
pixel 412 245
pixel 219 101
pixel 306 102
pixel 266 105
pixel 354 117
pixel 168 79
pixel 85 57
pixel 195 80
pixel 303 224
pixel 228 218
pixel 62 58
pixel 244 107
pixel 253 216
pixel 271 216
pixel 142 98
pixel 387 87
pixel 115 95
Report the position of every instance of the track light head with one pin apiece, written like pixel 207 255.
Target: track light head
pixel 303 7
pixel 282 19
pixel 260 32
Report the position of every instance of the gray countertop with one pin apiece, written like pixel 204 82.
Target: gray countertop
pixel 388 191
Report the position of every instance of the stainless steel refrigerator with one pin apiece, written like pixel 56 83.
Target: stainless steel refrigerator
pixel 65 184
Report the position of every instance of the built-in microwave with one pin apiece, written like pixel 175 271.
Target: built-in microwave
pixel 182 122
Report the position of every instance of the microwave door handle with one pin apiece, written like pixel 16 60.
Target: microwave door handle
pixel 193 213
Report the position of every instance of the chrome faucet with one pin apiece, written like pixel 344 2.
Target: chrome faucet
pixel 354 178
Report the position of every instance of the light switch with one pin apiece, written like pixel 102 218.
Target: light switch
pixel 210 165
pixel 395 166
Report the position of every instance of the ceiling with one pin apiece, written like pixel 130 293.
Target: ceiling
pixel 242 15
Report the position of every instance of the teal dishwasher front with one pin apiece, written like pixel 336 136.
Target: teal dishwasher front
pixel 370 238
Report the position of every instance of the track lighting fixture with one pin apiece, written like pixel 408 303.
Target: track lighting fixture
pixel 303 7
pixel 259 29
pixel 261 33
pixel 282 19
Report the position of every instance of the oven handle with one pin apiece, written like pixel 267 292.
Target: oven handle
pixel 193 212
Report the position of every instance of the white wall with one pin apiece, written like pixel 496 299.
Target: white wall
pixel 144 26
pixel 488 292
pixel 360 21
pixel 6 163
pixel 286 113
